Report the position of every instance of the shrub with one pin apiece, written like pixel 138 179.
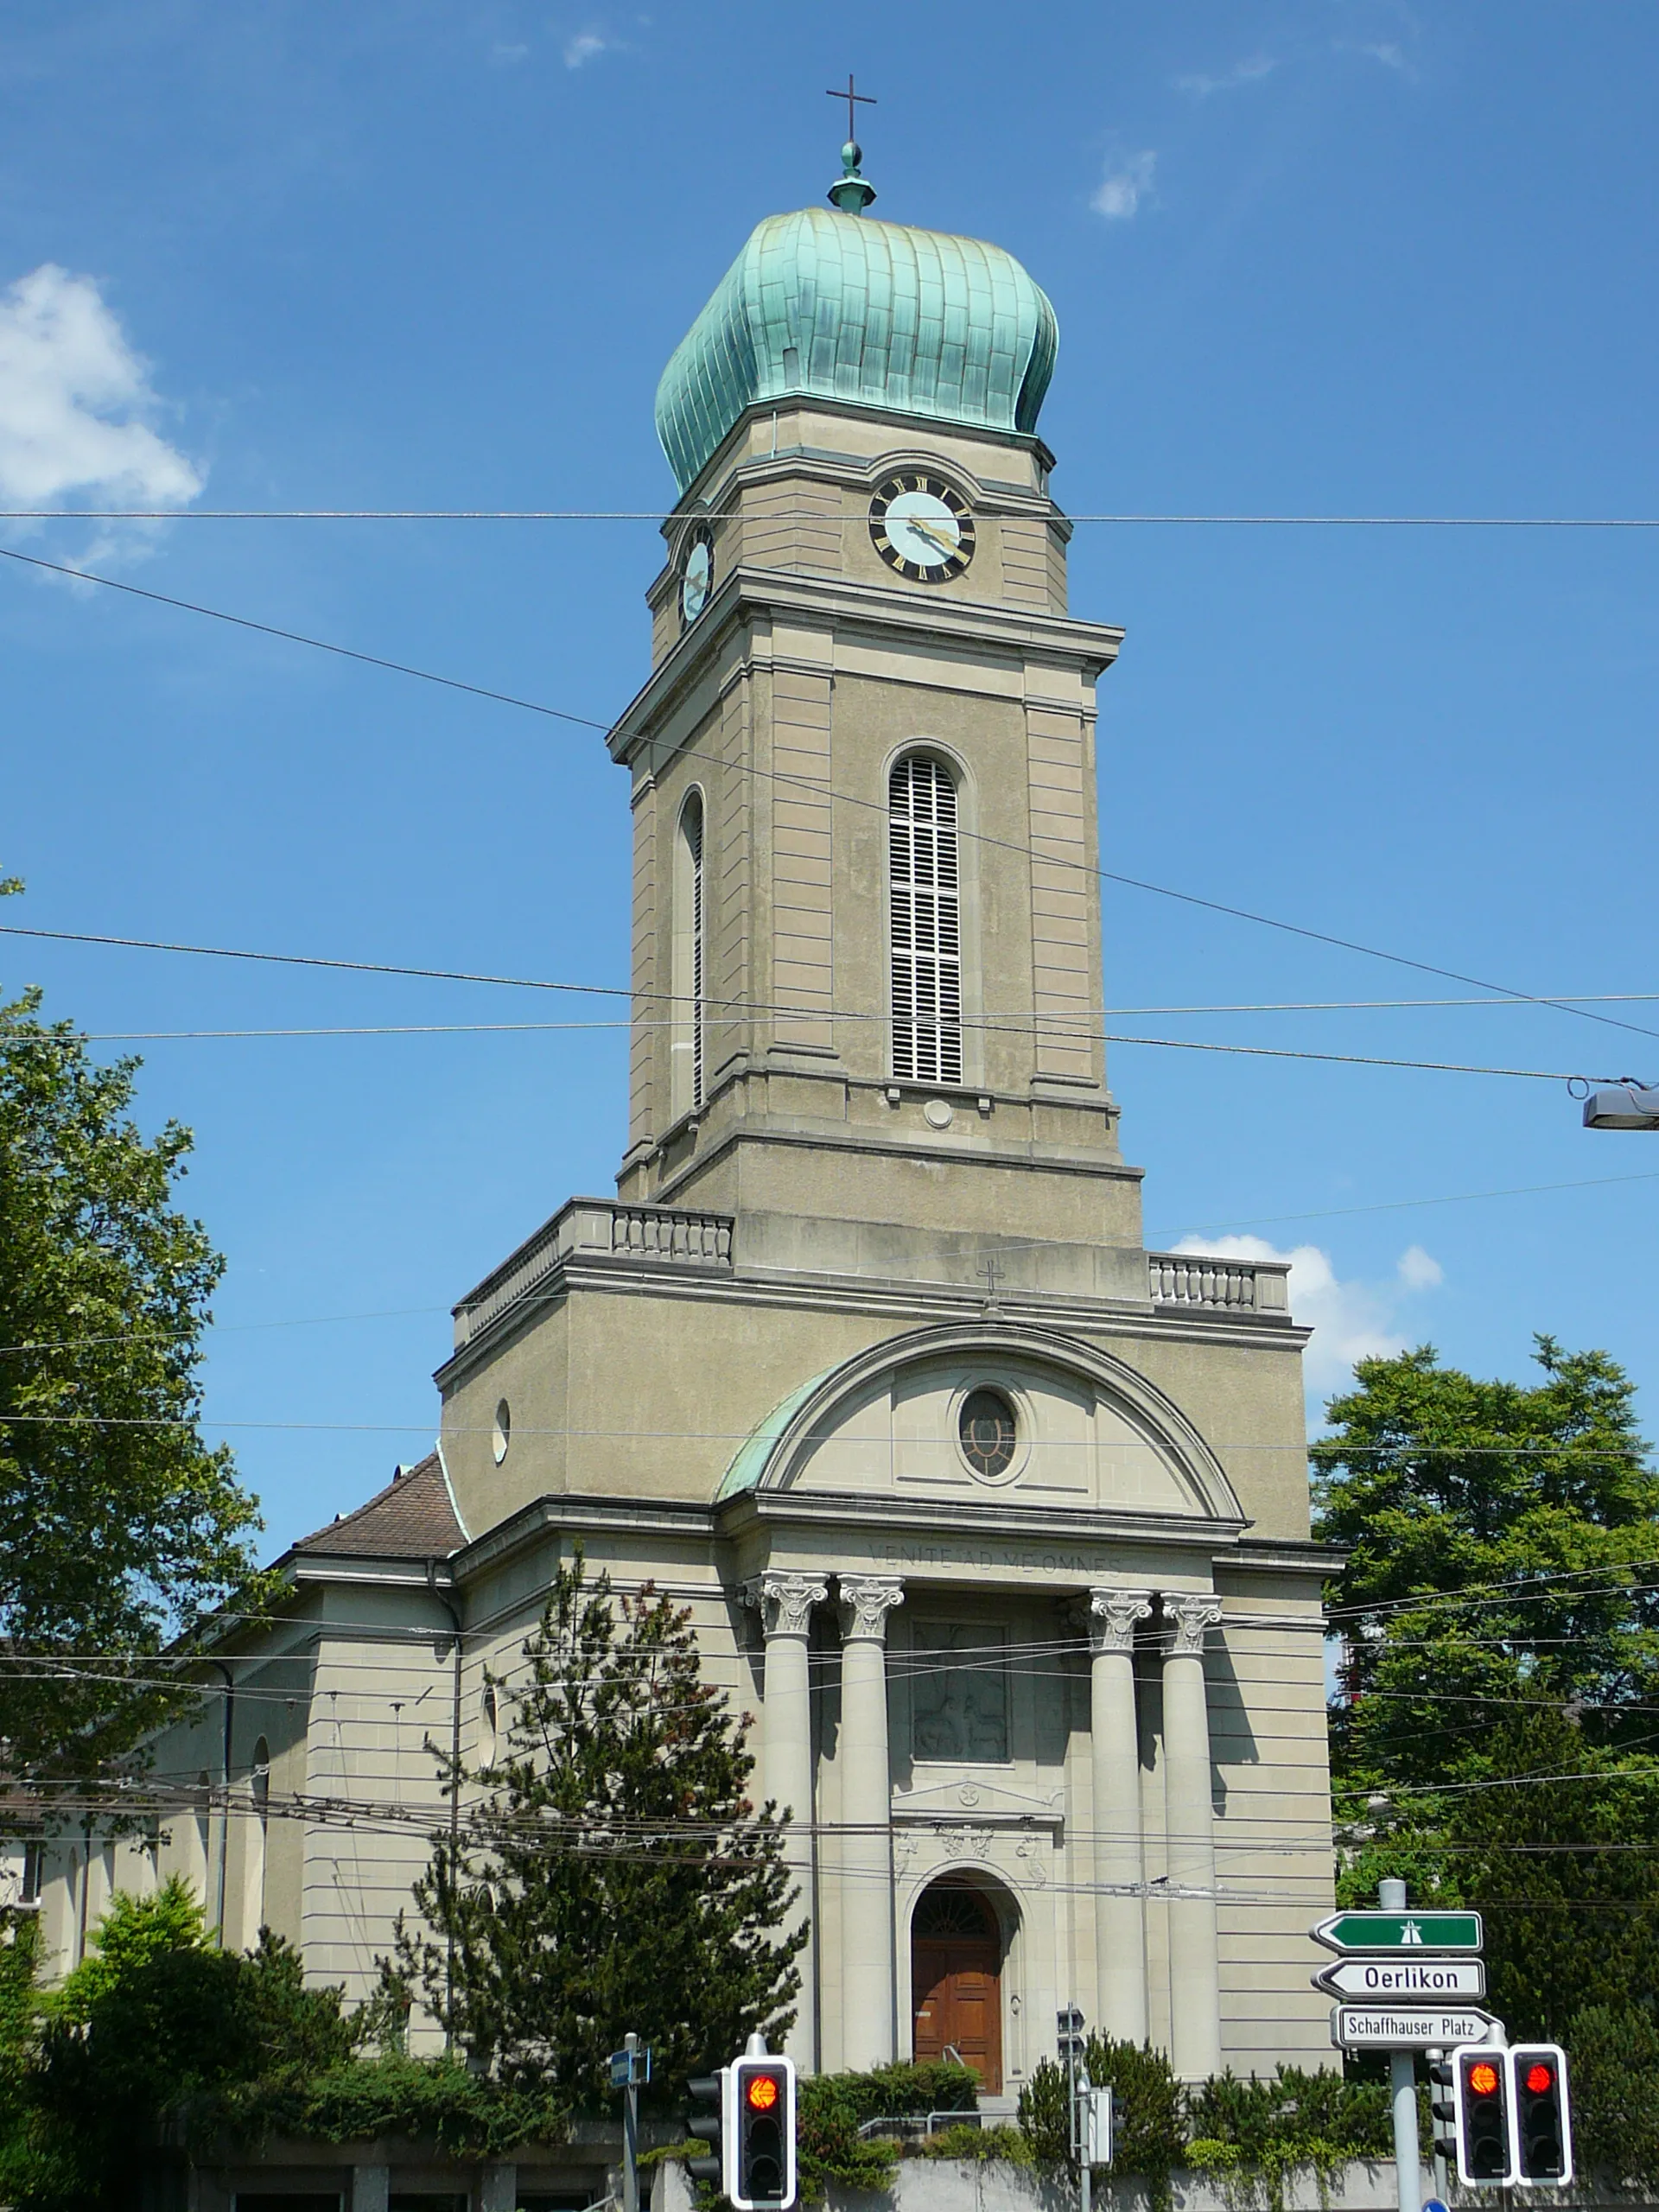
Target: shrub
pixel 832 2107
pixel 1252 2136
pixel 1151 2132
pixel 1006 2144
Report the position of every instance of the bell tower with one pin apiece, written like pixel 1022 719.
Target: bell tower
pixel 866 957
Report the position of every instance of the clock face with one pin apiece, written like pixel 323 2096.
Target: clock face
pixel 920 525
pixel 697 574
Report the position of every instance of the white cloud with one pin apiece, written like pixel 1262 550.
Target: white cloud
pixel 1126 182
pixel 1250 71
pixel 1350 1321
pixel 1389 55
pixel 75 404
pixel 585 47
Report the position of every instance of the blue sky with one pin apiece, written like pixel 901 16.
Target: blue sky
pixel 1319 256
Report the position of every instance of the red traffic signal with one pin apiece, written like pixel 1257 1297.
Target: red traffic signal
pixel 762 2160
pixel 1543 2126
pixel 1480 2087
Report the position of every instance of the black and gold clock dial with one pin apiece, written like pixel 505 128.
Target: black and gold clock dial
pixel 921 526
pixel 696 573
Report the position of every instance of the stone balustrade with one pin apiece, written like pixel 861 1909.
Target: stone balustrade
pixel 596 1229
pixel 1219 1286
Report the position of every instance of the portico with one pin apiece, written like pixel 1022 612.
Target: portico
pixel 944 1799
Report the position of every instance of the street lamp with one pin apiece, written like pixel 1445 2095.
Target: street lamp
pixel 1626 1104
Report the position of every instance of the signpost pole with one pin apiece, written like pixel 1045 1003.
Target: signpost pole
pixel 1402 2083
pixel 630 2131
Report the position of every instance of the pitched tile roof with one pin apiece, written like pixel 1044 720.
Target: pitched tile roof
pixel 411 1518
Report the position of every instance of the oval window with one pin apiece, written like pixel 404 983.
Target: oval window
pixel 501 1434
pixel 987 1429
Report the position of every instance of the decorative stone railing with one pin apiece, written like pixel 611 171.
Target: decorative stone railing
pixel 670 1236
pixel 1218 1285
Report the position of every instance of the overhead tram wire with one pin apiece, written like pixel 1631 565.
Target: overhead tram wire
pixel 661 516
pixel 1560 1452
pixel 806 784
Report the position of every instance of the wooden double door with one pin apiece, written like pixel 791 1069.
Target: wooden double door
pixel 955 1980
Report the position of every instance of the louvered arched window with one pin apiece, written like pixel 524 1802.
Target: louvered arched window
pixel 925 893
pixel 689 963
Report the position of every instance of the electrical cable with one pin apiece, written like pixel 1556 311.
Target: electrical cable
pixel 807 785
pixel 661 516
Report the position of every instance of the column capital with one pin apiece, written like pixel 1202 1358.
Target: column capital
pixel 784 1601
pixel 866 1601
pixel 1190 1616
pixel 1109 1618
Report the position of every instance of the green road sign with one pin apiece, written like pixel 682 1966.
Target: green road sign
pixel 1399 1931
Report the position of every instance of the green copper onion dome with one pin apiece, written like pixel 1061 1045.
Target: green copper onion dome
pixel 838 306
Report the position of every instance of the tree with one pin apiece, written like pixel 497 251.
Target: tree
pixel 610 1872
pixel 1499 1539
pixel 1490 1738
pixel 160 2023
pixel 119 1528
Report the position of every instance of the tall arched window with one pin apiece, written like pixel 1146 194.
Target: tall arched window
pixel 925 899
pixel 687 1032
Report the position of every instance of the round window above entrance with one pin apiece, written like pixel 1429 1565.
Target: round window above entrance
pixel 989 1433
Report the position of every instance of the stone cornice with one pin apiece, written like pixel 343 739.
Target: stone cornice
pixel 879 1296
pixel 967 1520
pixel 840 602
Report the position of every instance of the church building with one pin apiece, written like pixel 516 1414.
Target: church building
pixel 997 1521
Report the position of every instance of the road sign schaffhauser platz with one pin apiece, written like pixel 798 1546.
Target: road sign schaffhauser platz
pixel 1400 1961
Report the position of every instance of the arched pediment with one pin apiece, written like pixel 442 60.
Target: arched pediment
pixel 1090 1433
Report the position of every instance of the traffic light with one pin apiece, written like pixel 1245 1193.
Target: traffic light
pixel 1443 2105
pixel 708 2128
pixel 1543 2128
pixel 1480 2083
pixel 762 2116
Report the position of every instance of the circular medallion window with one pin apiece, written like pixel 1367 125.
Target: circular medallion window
pixel 501 1433
pixel 989 1433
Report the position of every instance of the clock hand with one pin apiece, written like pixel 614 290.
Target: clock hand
pixel 932 530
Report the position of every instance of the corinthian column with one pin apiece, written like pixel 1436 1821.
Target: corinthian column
pixel 1119 1871
pixel 866 1810
pixel 1194 1963
pixel 786 1602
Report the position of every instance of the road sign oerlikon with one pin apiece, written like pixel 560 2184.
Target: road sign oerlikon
pixel 1399 1976
pixel 1400 1932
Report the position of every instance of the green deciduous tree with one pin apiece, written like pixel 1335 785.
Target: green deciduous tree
pixel 119 1528
pixel 1502 1551
pixel 612 1874
pixel 159 2022
pixel 1492 1738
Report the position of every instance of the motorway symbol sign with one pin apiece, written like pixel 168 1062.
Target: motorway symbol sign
pixel 1410 2027
pixel 1400 1932
pixel 1403 1977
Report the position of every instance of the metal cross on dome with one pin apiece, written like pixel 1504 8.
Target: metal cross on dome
pixel 852 96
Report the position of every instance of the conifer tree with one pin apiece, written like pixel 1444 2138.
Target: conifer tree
pixel 608 1871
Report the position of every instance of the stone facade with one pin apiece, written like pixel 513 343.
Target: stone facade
pixel 997 1524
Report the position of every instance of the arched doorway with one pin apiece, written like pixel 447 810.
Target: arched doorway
pixel 955 1980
